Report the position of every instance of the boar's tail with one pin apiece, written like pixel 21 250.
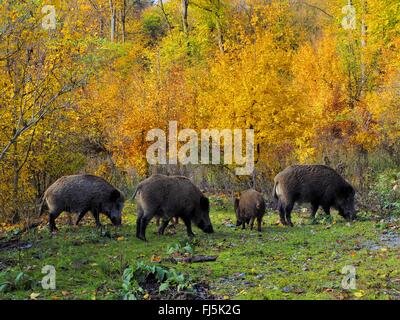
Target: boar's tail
pixel 43 205
pixel 274 194
pixel 134 195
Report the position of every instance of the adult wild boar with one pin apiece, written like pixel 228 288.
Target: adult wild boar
pixel 80 194
pixel 315 184
pixel 168 197
pixel 248 207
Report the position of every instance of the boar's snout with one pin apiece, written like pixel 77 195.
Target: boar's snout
pixel 351 215
pixel 349 211
pixel 115 217
pixel 207 228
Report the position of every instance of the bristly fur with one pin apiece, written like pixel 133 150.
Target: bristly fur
pixel 249 207
pixel 80 194
pixel 316 184
pixel 168 197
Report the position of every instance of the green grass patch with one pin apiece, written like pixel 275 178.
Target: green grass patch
pixel 303 262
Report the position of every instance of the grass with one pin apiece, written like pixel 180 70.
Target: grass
pixel 303 262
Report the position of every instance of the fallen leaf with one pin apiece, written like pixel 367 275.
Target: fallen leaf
pixel 155 259
pixel 34 295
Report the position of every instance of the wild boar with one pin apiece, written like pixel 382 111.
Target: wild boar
pixel 80 194
pixel 249 207
pixel 316 184
pixel 168 197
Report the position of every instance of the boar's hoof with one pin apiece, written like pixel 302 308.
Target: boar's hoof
pixel 53 228
pixel 141 237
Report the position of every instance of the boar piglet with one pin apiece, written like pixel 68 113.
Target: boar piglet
pixel 248 207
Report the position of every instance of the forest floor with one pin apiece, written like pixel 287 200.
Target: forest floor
pixel 303 262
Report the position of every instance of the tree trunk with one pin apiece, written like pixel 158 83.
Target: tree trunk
pixel 101 28
pixel 123 21
pixel 113 21
pixel 363 45
pixel 185 5
pixel 219 29
pixel 220 37
pixel 15 213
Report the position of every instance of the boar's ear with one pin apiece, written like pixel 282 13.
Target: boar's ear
pixel 115 195
pixel 204 203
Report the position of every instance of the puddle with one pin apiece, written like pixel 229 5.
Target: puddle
pixel 388 240
pixel 15 244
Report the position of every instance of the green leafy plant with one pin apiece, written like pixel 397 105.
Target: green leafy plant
pixel 135 278
pixel 182 247
pixel 388 188
pixel 11 282
pixel 130 286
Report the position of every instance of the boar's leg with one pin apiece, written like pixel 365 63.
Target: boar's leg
pixel 252 223
pixel 140 213
pixel 282 213
pixel 164 224
pixel 144 221
pixel 259 222
pixel 96 217
pixel 80 217
pixel 52 220
pixel 188 224
pixel 288 211
pixel 138 224
pixel 314 209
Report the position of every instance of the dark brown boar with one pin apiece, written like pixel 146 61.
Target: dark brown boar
pixel 81 194
pixel 316 184
pixel 249 207
pixel 168 197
